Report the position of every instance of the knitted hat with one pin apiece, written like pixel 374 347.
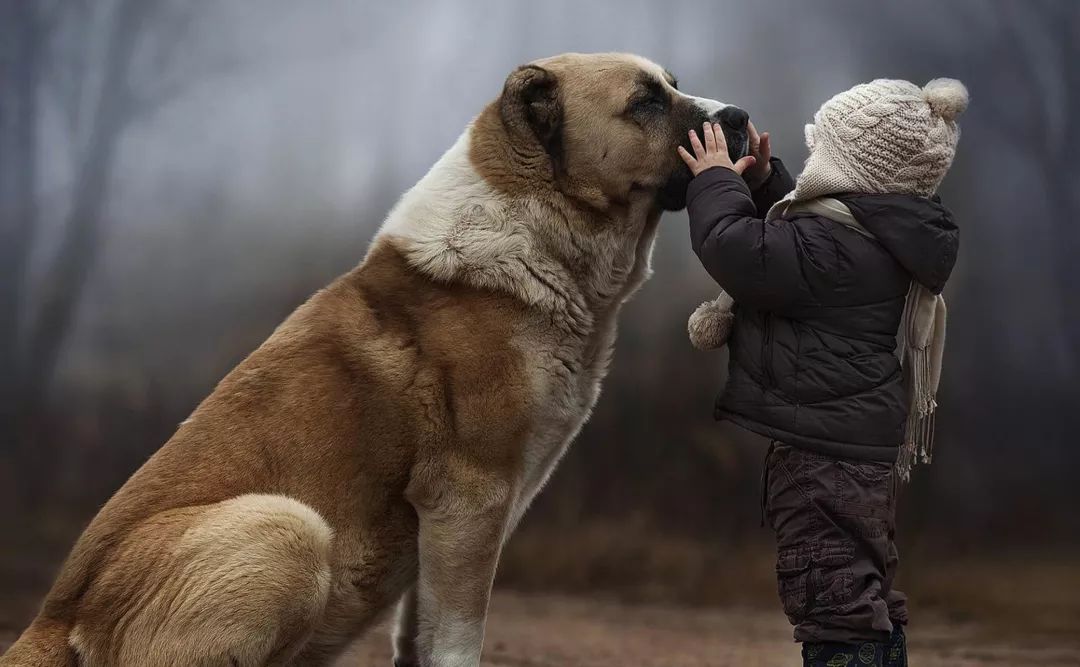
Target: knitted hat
pixel 883 136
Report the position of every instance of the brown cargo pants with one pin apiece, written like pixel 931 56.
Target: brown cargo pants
pixel 834 522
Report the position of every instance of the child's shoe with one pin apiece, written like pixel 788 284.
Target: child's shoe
pixel 834 654
pixel 896 649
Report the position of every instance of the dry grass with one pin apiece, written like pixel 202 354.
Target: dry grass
pixel 553 631
pixel 1013 594
pixel 634 563
pixel 624 594
pixel 560 631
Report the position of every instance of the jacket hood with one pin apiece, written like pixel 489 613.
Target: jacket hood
pixel 918 232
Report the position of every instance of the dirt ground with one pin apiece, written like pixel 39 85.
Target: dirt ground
pixel 550 631
pixel 555 631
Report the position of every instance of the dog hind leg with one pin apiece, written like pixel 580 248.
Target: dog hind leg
pixel 243 583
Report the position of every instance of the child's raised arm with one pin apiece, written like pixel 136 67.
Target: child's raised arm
pixel 768 179
pixel 756 262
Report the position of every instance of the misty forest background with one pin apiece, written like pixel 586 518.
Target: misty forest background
pixel 176 177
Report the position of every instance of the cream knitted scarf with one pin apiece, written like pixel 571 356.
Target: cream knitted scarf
pixel 920 340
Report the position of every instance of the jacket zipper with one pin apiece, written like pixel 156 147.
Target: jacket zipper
pixel 766 352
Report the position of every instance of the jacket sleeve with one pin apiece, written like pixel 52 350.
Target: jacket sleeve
pixel 758 263
pixel 778 184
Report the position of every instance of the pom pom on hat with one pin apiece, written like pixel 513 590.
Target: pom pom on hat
pixel 888 135
pixel 947 97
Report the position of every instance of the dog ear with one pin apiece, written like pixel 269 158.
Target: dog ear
pixel 530 105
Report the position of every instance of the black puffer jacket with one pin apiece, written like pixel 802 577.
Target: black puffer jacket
pixel 817 309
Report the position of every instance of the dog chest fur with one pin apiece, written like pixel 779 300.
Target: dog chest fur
pixel 455 226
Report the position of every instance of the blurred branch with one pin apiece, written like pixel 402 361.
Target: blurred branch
pixel 107 91
pixel 68 64
pixel 167 76
pixel 20 72
pixel 50 12
pixel 65 279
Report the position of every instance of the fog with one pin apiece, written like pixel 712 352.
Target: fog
pixel 176 177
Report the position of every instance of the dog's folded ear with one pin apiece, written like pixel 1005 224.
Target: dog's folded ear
pixel 530 106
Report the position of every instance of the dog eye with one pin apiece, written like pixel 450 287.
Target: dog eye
pixel 650 102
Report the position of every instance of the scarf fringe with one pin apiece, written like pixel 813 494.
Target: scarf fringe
pixel 921 346
pixel 918 444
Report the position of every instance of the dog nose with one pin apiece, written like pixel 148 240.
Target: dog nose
pixel 734 118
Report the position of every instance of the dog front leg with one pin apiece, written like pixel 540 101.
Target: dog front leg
pixel 461 535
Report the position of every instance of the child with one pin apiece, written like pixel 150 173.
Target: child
pixel 822 275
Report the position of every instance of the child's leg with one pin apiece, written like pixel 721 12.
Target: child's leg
pixel 896 601
pixel 896 649
pixel 833 521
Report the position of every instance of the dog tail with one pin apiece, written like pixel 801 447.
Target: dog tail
pixel 43 644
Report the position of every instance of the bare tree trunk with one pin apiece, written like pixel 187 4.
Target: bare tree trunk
pixel 18 169
pixel 1063 175
pixel 64 284
pixel 20 68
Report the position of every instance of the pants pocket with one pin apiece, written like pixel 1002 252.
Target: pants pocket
pixel 831 577
pixel 814 577
pixel 793 578
pixel 864 494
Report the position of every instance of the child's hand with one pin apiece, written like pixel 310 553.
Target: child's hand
pixel 714 153
pixel 761 149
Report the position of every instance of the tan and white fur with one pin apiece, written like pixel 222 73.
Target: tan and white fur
pixel 382 444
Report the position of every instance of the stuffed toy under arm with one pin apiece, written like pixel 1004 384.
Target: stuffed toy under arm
pixel 710 325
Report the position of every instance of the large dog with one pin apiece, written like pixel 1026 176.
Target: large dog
pixel 383 443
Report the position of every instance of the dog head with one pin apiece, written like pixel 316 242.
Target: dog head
pixel 606 126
